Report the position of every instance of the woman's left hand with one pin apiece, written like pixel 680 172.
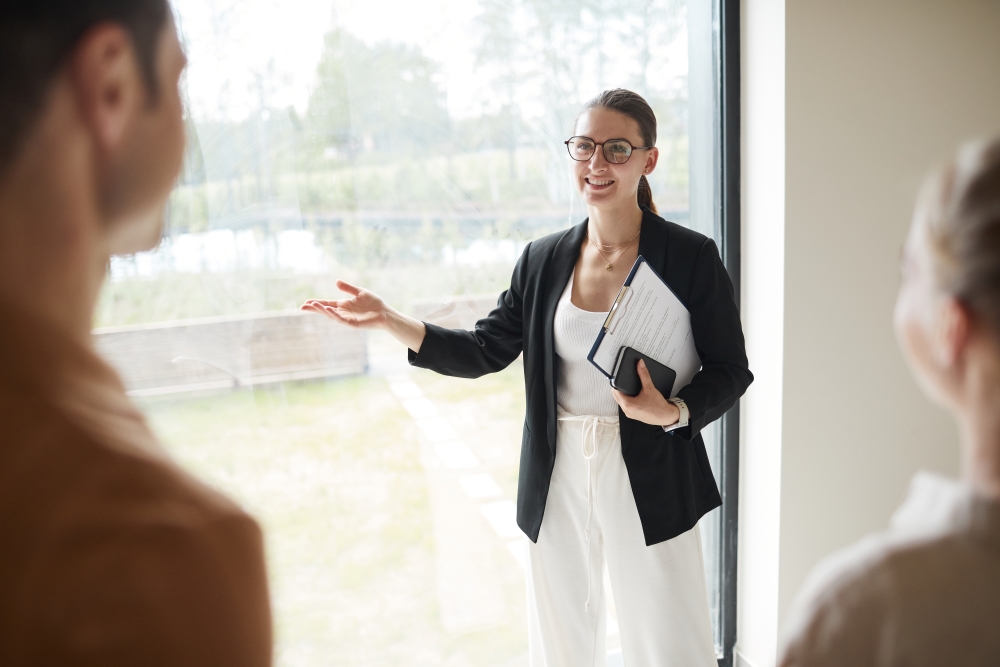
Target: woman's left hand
pixel 649 406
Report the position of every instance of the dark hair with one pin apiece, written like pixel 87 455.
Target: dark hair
pixel 36 36
pixel 635 107
pixel 961 208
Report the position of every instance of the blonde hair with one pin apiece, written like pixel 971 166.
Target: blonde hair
pixel 960 205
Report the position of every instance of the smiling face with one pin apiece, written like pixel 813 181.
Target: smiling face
pixel 601 183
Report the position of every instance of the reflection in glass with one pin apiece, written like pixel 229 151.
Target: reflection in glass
pixel 413 148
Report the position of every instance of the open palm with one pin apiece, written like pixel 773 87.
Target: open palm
pixel 364 310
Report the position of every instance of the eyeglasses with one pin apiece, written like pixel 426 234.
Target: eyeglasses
pixel 616 151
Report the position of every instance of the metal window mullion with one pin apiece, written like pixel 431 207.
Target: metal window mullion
pixel 728 37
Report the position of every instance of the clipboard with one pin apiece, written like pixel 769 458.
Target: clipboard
pixel 623 296
pixel 647 316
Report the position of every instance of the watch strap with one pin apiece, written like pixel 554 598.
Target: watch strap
pixel 685 414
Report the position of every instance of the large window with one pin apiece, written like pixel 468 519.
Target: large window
pixel 412 148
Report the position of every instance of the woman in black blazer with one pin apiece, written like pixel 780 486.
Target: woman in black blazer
pixel 629 478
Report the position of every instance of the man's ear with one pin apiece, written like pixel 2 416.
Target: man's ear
pixel 952 335
pixel 107 83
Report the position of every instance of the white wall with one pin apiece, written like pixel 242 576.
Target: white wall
pixel 763 289
pixel 860 99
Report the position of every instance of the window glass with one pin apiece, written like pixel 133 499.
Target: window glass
pixel 412 148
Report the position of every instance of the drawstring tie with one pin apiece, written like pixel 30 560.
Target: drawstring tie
pixel 590 451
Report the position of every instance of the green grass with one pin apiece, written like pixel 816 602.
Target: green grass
pixel 332 470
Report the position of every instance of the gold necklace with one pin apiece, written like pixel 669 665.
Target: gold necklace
pixel 620 253
pixel 612 246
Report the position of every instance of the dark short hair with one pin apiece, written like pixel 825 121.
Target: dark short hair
pixel 36 36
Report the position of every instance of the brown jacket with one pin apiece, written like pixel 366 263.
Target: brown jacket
pixel 109 553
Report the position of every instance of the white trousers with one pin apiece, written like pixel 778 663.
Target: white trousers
pixel 590 515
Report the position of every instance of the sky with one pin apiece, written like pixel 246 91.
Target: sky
pixel 243 52
pixel 231 42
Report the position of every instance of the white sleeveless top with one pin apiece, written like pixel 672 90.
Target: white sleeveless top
pixel 581 389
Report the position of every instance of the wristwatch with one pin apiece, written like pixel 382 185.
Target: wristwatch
pixel 685 416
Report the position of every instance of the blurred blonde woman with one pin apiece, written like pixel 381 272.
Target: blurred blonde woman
pixel 927 591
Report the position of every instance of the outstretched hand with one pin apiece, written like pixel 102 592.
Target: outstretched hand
pixel 364 310
pixel 649 405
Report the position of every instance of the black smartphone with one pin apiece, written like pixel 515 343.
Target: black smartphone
pixel 626 376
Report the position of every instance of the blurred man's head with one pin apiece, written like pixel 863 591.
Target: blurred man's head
pixel 89 94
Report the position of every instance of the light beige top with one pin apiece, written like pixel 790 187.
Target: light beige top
pixel 109 553
pixel 924 593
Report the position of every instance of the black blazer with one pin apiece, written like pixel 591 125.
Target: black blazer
pixel 670 475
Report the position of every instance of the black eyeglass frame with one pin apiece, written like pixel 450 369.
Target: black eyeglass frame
pixel 603 151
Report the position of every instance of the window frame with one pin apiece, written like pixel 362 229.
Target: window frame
pixel 728 228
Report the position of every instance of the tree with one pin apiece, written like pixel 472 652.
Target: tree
pixel 552 55
pixel 380 98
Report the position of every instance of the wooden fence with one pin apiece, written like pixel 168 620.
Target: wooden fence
pixel 223 352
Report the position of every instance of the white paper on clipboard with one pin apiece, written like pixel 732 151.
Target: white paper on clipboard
pixel 648 317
